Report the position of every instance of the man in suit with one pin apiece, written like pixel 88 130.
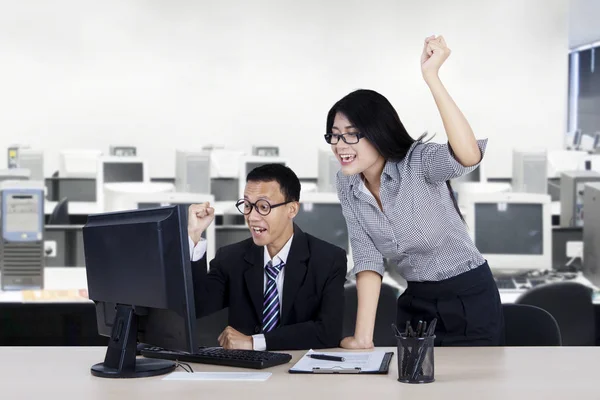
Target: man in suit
pixel 284 288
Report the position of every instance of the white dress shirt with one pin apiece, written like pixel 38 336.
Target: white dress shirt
pixel 198 251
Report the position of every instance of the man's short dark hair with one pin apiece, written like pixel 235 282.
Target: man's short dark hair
pixel 288 181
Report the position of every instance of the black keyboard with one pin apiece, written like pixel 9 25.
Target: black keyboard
pixel 505 283
pixel 218 356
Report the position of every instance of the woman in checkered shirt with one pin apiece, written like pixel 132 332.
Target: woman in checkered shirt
pixel 398 204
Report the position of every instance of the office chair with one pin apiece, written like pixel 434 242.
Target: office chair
pixel 60 214
pixel 570 303
pixel 383 334
pixel 526 325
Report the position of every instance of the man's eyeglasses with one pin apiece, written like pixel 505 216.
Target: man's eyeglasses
pixel 263 207
pixel 348 138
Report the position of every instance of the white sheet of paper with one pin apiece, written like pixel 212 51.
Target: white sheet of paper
pixel 218 376
pixel 367 361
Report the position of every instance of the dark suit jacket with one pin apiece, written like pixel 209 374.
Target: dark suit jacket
pixel 313 291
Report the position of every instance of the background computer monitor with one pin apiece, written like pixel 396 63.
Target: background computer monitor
pixel 513 231
pixel 74 189
pixel 140 277
pixel 248 163
pixel 321 215
pixel 192 171
pixel 121 200
pixel 118 170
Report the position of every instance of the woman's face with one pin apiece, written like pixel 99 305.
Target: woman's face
pixel 354 158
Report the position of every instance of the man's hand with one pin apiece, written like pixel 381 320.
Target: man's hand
pixel 199 218
pixel 232 339
pixel 435 52
pixel 351 342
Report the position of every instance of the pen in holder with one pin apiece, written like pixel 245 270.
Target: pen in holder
pixel 415 356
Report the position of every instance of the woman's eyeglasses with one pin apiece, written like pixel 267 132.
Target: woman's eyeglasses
pixel 263 207
pixel 348 138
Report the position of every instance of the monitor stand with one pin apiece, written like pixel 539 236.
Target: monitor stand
pixel 121 360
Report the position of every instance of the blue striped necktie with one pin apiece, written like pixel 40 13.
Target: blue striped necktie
pixel 271 304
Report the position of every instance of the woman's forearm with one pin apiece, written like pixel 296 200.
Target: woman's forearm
pixel 368 286
pixel 459 132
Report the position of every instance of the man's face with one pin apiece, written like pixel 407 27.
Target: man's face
pixel 267 229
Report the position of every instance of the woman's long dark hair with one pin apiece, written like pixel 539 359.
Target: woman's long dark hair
pixel 375 117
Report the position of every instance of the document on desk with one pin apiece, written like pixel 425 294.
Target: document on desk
pixel 218 376
pixel 374 362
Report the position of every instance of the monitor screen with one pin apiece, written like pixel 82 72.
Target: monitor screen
pixel 325 221
pixel 509 228
pixel 76 189
pixel 123 172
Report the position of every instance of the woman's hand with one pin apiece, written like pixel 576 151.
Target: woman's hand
pixel 435 52
pixel 351 342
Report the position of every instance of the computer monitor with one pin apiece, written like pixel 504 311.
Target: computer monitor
pixel 120 199
pixel 573 139
pixel 140 278
pixel 321 215
pixel 118 170
pixel 513 231
pixel 74 189
pixel 79 163
pixel 248 163
pixel 230 234
pixel 588 142
pixel 530 171
pixel 328 168
pixel 192 171
pixel 572 188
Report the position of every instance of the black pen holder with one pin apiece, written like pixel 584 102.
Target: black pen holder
pixel 415 359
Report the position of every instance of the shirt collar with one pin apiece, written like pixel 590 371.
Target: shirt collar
pixel 390 171
pixel 280 257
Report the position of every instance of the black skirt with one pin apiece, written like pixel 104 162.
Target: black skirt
pixel 467 308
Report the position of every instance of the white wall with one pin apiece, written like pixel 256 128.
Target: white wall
pixel 182 73
pixel 584 22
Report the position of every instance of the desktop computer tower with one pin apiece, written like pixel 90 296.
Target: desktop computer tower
pixel 530 172
pixel 591 233
pixel 572 185
pixel 192 172
pixel 22 241
pixel 33 160
pixel 328 168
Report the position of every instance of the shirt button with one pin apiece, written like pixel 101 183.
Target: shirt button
pixel 257 329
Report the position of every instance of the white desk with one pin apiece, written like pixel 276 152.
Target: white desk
pixel 57 281
pixel 461 373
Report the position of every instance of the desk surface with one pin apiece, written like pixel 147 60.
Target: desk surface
pixel 461 373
